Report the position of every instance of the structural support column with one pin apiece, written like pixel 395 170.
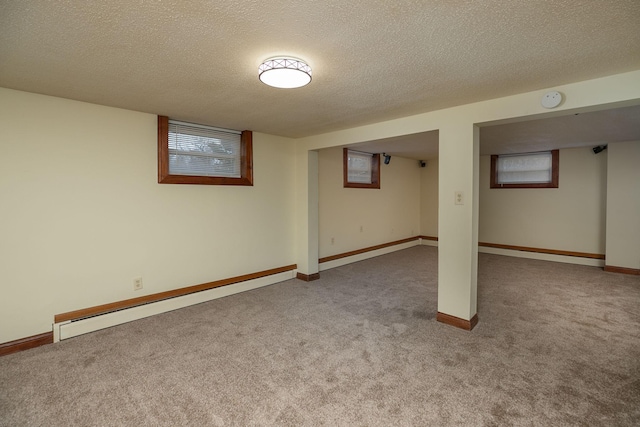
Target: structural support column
pixel 307 214
pixel 623 208
pixel 458 224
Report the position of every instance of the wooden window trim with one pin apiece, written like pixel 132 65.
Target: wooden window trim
pixel 164 177
pixel 555 160
pixel 375 172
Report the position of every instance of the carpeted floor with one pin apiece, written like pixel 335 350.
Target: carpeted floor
pixel 556 345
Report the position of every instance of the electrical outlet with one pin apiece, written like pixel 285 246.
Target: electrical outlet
pixel 361 229
pixel 137 283
pixel 459 198
pixel 333 240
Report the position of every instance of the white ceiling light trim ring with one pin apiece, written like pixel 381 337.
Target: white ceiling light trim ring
pixel 284 72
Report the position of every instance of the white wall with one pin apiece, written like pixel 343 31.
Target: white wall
pixel 429 199
pixel 385 215
pixel 569 218
pixel 82 212
pixel 623 205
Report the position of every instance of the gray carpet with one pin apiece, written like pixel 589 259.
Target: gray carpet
pixel 556 345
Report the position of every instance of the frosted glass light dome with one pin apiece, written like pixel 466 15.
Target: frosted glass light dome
pixel 284 72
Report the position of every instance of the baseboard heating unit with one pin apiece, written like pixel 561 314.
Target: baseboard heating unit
pixel 72 328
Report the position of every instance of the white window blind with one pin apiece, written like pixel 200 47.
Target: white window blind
pixel 203 150
pixel 359 167
pixel 524 168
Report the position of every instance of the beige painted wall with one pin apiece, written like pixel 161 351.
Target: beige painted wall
pixel 623 205
pixel 570 218
pixel 429 199
pixel 457 225
pixel 75 235
pixel 83 215
pixel 388 214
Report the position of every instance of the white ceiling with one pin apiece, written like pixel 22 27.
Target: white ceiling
pixel 419 146
pixel 569 131
pixel 372 60
pixel 574 130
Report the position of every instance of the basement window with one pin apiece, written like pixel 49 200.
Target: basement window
pixel 361 170
pixel 190 153
pixel 530 170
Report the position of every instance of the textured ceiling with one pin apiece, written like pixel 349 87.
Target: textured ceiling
pixel 372 60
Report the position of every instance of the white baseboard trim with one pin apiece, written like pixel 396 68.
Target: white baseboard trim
pixel 592 262
pixel 366 255
pixel 73 328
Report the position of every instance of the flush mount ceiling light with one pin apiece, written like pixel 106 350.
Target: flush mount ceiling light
pixel 284 72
